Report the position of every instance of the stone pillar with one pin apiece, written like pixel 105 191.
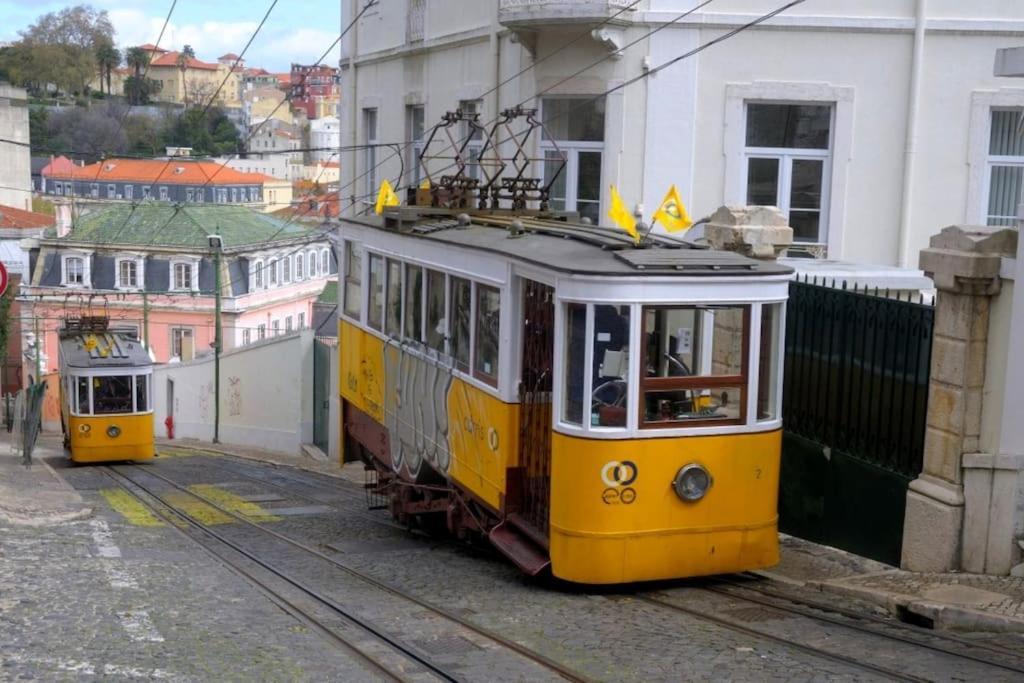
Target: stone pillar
pixel 755 231
pixel 964 262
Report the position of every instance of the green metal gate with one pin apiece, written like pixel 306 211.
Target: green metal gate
pixel 854 410
pixel 321 394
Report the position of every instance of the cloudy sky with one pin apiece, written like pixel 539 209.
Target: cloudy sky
pixel 297 30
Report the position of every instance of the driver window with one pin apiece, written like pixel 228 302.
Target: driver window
pixel 610 366
pixel 694 367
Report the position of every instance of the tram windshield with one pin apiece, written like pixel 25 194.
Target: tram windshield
pixel 111 395
pixel 692 362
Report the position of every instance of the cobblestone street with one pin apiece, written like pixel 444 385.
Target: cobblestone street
pixel 137 591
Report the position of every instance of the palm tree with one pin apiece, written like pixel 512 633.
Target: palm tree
pixel 137 60
pixel 108 58
pixel 186 54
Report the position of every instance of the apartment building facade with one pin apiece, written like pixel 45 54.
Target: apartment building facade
pixel 153 268
pixel 15 156
pixel 794 112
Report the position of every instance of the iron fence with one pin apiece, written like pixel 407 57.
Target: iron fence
pixel 24 420
pixel 857 370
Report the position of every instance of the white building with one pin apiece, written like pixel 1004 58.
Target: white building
pixel 325 138
pixel 870 123
pixel 15 156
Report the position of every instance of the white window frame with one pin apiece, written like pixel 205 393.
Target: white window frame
pixel 300 269
pixel 261 331
pixel 370 153
pixel 111 191
pixel 301 320
pixel 164 193
pixel 85 257
pixel 979 163
pixel 474 147
pixel 325 262
pixel 416 148
pixel 129 190
pixel 312 259
pixel 286 270
pixel 181 328
pixel 287 324
pixel 94 190
pixel 258 276
pixel 139 262
pixel 193 263
pixel 246 336
pixel 273 278
pixel 841 99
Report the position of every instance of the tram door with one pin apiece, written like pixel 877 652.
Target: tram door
pixel 535 402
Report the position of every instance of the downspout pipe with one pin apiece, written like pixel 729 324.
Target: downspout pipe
pixel 353 104
pixel 910 151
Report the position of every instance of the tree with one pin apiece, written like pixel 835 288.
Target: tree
pixel 108 58
pixel 39 128
pixel 207 133
pixel 92 133
pixel 185 57
pixel 137 87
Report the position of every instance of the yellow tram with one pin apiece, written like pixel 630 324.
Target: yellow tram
pixel 602 410
pixel 105 392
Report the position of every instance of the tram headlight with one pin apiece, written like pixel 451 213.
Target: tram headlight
pixel 692 482
pixel 113 431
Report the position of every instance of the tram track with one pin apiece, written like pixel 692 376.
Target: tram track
pixel 521 650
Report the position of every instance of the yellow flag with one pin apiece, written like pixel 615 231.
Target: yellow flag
pixel 672 212
pixel 425 185
pixel 386 197
pixel 622 216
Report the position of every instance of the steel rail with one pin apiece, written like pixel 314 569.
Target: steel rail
pixel 516 647
pixel 319 597
pixel 794 644
pixel 864 616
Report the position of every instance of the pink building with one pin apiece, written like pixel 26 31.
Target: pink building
pixel 151 267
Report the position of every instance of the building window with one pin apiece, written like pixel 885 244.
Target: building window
pixel 275 327
pixel 487 338
pixel 370 138
pixel 300 260
pixel 261 331
pixel 111 191
pixel 246 338
pixel 146 191
pixel 325 262
pixel 74 271
pixel 576 127
pixel 183 276
pixel 234 195
pixel 257 275
pixel 128 273
pixel 181 339
pixel 788 156
pixel 272 280
pixel 471 108
pixel 353 280
pixel 163 193
pixel 287 323
pixel 94 190
pixel 312 264
pixel 129 190
pixel 58 188
pixel 286 269
pixel 459 306
pixel 189 195
pixel 1005 167
pixel 414 133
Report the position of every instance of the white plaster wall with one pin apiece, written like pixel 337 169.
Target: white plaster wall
pixel 266 395
pixel 15 166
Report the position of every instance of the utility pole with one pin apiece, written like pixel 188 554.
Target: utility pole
pixel 39 362
pixel 145 319
pixel 217 244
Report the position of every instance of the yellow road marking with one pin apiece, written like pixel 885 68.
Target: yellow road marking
pixel 230 501
pixel 176 452
pixel 130 508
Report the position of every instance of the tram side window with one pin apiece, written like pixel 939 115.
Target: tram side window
pixel 82 395
pixel 414 303
pixel 575 357
pixel 768 367
pixel 112 394
pixel 460 308
pixel 694 364
pixel 376 303
pixel 437 322
pixel 610 366
pixel 353 279
pixel 141 393
pixel 393 312
pixel 488 334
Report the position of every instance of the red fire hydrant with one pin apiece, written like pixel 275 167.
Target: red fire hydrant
pixel 169 423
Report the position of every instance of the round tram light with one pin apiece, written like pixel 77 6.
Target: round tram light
pixel 113 431
pixel 692 482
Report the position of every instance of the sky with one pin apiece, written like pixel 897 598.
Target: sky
pixel 297 30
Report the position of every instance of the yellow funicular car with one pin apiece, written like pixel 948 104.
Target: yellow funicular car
pixel 106 392
pixel 604 409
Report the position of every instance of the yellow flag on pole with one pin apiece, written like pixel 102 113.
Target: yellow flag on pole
pixel 386 197
pixel 621 215
pixel 672 213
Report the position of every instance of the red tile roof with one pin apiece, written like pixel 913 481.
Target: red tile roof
pixel 231 55
pixel 313 206
pixel 171 59
pixel 177 172
pixel 11 217
pixel 150 47
pixel 58 166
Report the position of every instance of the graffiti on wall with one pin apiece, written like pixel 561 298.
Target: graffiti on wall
pixel 416 410
pixel 234 396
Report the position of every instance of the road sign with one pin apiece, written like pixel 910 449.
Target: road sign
pixel 3 279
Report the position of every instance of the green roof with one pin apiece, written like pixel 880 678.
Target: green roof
pixel 159 224
pixel 330 293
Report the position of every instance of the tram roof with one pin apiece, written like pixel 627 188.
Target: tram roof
pixel 558 242
pixel 108 349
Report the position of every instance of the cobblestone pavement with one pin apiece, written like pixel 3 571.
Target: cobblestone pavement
pixel 125 595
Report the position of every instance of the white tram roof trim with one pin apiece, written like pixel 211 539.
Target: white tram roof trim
pixel 555 242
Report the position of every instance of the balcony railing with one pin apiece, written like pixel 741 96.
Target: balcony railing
pixel 521 12
pixel 415 21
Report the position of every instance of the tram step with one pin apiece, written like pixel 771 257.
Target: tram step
pixel 519 548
